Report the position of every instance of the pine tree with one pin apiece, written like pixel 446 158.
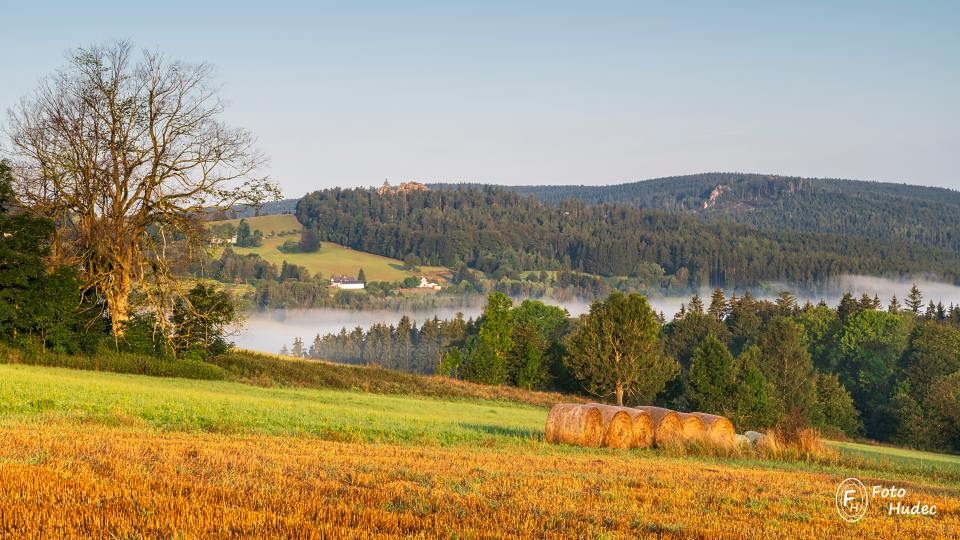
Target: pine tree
pixel 931 313
pixel 718 305
pixel 848 307
pixel 284 351
pixel 711 377
pixel 200 321
pixel 486 356
pixel 34 301
pixel 914 299
pixel 786 302
pixel 786 363
pixel 696 305
pixel 894 305
pixel 361 276
pixel 297 349
pixel 834 411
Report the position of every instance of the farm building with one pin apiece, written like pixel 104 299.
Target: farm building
pixel 343 282
pixel 427 284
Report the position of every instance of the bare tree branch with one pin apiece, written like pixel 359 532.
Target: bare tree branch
pixel 126 153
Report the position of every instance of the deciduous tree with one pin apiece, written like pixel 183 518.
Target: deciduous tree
pixel 125 152
pixel 615 352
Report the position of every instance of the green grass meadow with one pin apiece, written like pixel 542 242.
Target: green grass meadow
pixel 331 260
pixel 33 393
pixel 396 411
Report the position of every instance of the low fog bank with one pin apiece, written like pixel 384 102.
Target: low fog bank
pixel 269 330
pixel 882 287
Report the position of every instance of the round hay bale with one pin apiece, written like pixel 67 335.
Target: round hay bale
pixel 741 439
pixel 642 428
pixel 691 426
pixel 666 424
pixel 754 436
pixel 718 428
pixel 573 423
pixel 617 426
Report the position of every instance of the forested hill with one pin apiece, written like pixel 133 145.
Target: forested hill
pixel 495 230
pixel 923 215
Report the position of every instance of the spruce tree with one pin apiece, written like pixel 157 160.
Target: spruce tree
pixel 696 305
pixel 786 302
pixel 486 356
pixel 718 305
pixel 915 299
pixel 786 363
pixel 711 378
pixel 894 305
pixel 848 307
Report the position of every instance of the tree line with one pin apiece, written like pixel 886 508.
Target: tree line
pixel 403 346
pixel 890 372
pixel 501 233
pixel 917 214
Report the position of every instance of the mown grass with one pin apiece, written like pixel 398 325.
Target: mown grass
pixel 143 456
pixel 40 395
pixel 901 456
pixel 90 481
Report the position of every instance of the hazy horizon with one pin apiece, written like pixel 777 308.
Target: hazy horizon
pixel 550 93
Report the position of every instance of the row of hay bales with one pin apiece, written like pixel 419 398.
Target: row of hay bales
pixel 597 425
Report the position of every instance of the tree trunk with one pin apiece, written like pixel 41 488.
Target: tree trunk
pixel 620 393
pixel 118 295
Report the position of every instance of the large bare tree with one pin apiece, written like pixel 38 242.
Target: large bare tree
pixel 127 151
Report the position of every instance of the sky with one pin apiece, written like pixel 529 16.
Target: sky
pixel 352 93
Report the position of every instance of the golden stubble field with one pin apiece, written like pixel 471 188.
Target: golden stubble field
pixel 75 480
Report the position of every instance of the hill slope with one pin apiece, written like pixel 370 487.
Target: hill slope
pixel 330 260
pixel 497 231
pixel 917 214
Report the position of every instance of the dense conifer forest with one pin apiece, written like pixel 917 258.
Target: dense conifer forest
pixel 918 214
pixel 497 231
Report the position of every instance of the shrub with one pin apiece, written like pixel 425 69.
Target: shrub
pixel 107 359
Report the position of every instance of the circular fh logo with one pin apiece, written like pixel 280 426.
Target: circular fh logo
pixel 851 500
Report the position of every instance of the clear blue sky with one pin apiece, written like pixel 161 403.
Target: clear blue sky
pixel 349 93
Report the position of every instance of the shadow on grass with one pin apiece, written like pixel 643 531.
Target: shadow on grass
pixel 502 431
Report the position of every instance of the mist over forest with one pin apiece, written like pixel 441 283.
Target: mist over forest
pixel 269 330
